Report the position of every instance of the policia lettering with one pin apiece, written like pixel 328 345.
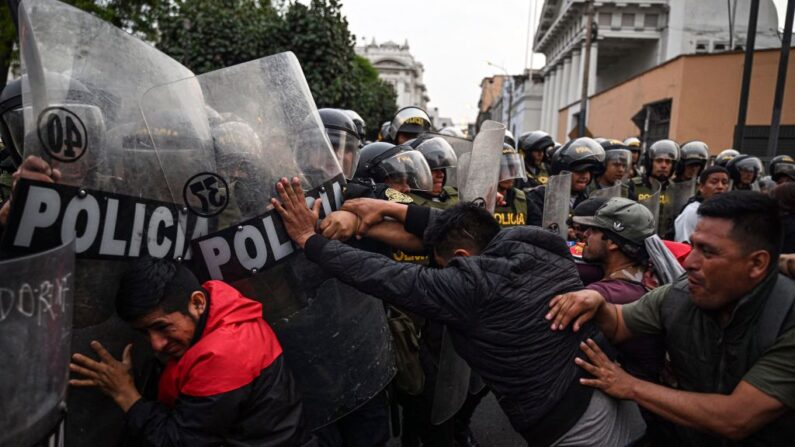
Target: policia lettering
pixel 515 213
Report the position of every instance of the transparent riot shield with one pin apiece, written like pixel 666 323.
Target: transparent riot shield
pixel 461 146
pixel 608 192
pixel 452 382
pixel 482 174
pixel 652 201
pixel 557 204
pixel 258 123
pixel 36 304
pixel 82 80
pixel 680 194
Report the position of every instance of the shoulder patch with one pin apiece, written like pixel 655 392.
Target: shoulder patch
pixel 394 195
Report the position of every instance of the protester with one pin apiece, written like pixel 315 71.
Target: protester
pixel 714 180
pixel 489 292
pixel 729 331
pixel 225 381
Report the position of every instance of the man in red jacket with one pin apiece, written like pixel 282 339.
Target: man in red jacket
pixel 225 381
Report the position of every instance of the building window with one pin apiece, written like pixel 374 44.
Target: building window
pixel 605 18
pixel 702 46
pixel 650 20
pixel 654 121
pixel 627 20
pixel 720 46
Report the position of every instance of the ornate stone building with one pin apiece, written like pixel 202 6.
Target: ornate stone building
pixel 396 65
pixel 632 37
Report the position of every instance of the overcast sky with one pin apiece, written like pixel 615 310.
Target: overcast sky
pixel 454 39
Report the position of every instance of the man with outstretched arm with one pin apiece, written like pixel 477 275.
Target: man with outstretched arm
pixel 491 293
pixel 728 325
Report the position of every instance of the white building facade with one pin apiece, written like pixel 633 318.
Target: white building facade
pixel 397 66
pixel 631 37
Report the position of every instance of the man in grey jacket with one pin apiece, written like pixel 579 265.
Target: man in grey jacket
pixel 491 292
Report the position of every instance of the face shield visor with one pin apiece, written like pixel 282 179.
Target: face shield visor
pixel 438 153
pixel 618 164
pixel 511 166
pixel 346 148
pixel 783 169
pixel 751 165
pixel 407 171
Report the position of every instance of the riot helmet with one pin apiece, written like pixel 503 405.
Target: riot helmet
pixel 400 167
pixel 582 154
pixel 534 141
pixel 782 169
pixel 633 144
pixel 436 150
pixel 618 161
pixel 662 150
pixel 12 122
pixel 550 151
pixel 344 138
pixel 725 156
pixel 452 132
pixel 694 153
pixel 410 122
pixel 509 139
pixel 383 133
pixel 358 121
pixel 744 169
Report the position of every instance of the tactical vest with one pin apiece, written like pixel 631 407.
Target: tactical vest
pixel 706 358
pixel 643 190
pixel 514 213
pixel 447 198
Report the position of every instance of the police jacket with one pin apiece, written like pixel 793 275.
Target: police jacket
pixel 230 387
pixel 515 210
pixel 493 305
pixel 535 204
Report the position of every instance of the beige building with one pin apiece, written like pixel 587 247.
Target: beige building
pixel 397 66
pixel 693 97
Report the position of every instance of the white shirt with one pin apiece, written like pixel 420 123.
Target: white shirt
pixel 685 223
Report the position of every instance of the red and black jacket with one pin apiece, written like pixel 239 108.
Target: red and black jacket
pixel 231 386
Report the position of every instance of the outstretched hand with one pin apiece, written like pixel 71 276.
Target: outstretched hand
pixel 111 376
pixel 579 307
pixel 299 221
pixel 608 375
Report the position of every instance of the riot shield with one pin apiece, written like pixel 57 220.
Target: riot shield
pixel 608 192
pixel 557 204
pixel 452 382
pixel 680 194
pixel 36 304
pixel 652 201
pixel 81 85
pixel 259 123
pixel 482 174
pixel 461 146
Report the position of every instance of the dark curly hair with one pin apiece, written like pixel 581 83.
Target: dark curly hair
pixel 465 225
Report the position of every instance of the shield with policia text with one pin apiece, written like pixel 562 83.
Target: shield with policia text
pixel 258 123
pixel 652 201
pixel 477 178
pixel 36 304
pixel 557 204
pixel 82 80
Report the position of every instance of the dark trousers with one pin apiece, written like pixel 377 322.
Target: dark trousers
pixel 367 426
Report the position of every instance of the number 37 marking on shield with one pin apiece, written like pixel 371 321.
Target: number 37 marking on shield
pixel 62 134
pixel 209 190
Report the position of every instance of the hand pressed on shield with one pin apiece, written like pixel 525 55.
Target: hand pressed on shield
pixel 608 375
pixel 340 225
pixel 299 221
pixel 33 168
pixel 579 307
pixel 111 376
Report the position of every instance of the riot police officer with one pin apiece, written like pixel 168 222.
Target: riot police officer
pixel 782 169
pixel 408 123
pixel 393 171
pixel 695 155
pixel 660 160
pixel 616 169
pixel 636 147
pixel 533 147
pixel 744 171
pixel 345 138
pixel 361 126
pixel 725 156
pixel 582 157
pixel 513 210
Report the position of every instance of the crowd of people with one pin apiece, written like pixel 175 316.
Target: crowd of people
pixel 607 292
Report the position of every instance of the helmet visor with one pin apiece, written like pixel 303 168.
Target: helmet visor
pixel 407 170
pixel 346 148
pixel 780 169
pixel 438 153
pixel 411 120
pixel 618 164
pixel 751 164
pixel 667 152
pixel 511 166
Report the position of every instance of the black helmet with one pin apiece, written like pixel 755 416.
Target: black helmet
pixel 662 149
pixel 693 153
pixel 409 120
pixel 344 138
pixel 725 156
pixel 383 133
pixel 780 166
pixel 436 150
pixel 550 151
pixel 537 140
pixel 12 129
pixel 578 155
pixel 452 132
pixel 608 144
pixel 744 162
pixel 511 164
pixel 382 162
pixel 509 139
pixel 358 121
